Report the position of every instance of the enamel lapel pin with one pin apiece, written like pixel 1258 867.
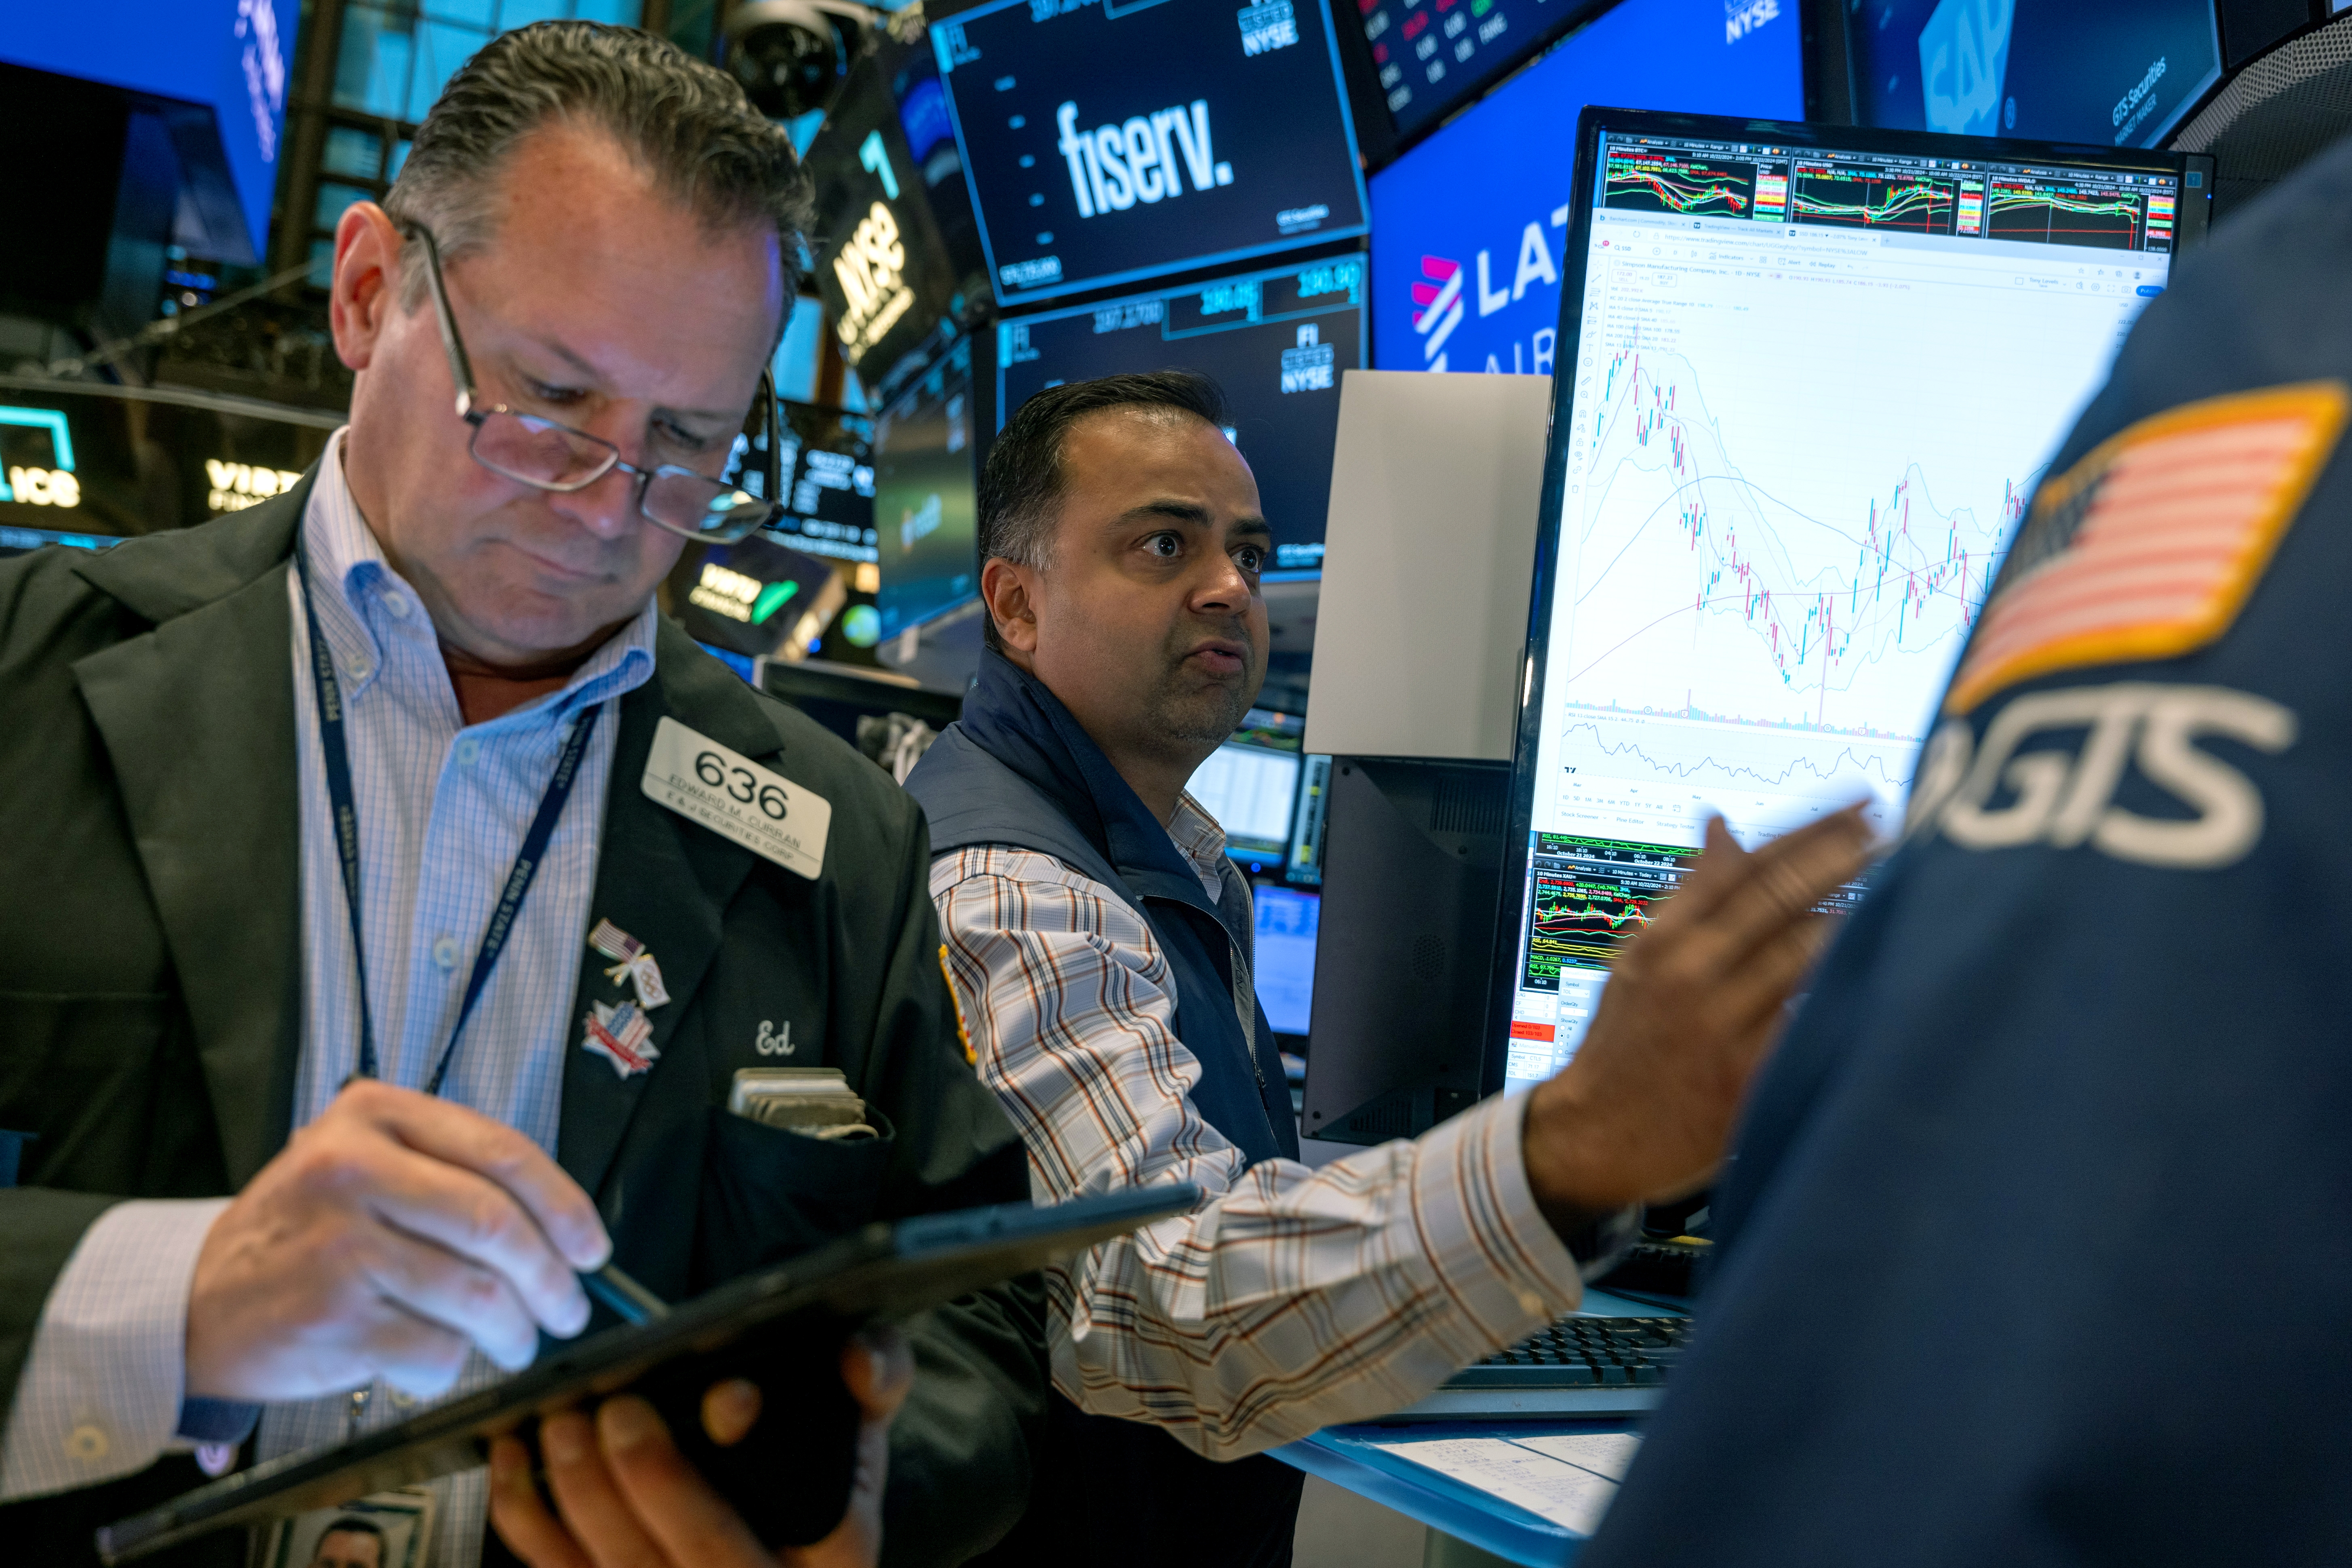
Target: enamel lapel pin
pixel 635 964
pixel 623 1035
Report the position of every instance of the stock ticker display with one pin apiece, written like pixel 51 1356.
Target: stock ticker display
pixel 827 457
pixel 1468 249
pixel 1433 56
pixel 1964 199
pixel 1276 341
pixel 1782 497
pixel 1108 142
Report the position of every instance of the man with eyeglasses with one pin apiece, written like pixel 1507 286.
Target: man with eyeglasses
pixel 360 979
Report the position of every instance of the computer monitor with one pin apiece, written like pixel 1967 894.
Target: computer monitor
pixel 828 459
pixel 1250 790
pixel 926 506
pixel 1108 144
pixel 1467 247
pixel 1809 378
pixel 1284 966
pixel 1276 341
pixel 1302 864
pixel 2114 73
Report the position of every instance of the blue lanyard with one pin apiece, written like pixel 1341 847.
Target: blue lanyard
pixel 347 836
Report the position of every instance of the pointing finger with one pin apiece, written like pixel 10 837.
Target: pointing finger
pixel 457 1136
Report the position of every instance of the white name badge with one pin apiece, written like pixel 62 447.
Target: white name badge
pixel 729 794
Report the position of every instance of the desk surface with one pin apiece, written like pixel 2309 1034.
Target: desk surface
pixel 1349 1456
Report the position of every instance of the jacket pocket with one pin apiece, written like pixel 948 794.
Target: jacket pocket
pixel 769 1192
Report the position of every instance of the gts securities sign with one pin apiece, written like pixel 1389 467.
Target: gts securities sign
pixel 1108 141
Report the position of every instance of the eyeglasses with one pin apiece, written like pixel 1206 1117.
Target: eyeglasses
pixel 549 455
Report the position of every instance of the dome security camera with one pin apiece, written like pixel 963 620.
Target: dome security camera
pixel 792 56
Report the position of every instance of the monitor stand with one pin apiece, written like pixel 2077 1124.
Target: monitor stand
pixel 1404 951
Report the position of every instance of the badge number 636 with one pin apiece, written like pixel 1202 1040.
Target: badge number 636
pixel 717 775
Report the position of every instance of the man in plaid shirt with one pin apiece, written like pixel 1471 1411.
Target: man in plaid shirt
pixel 1099 945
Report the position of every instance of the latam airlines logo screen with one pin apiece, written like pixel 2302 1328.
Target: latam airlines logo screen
pixel 1113 140
pixel 1471 244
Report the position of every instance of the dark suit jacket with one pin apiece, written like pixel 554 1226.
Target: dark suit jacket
pixel 149 981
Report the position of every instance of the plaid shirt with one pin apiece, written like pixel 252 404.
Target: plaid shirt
pixel 1293 1298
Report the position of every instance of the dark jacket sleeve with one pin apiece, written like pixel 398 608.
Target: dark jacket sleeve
pixel 962 1449
pixel 94 1040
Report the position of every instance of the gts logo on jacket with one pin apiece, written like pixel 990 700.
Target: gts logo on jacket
pixel 2066 798
pixel 1141 159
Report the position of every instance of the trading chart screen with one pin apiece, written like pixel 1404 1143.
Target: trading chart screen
pixel 1810 392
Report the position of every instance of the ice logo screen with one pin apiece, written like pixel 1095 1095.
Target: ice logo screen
pixel 1141 159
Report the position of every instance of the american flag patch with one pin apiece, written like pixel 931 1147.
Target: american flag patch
pixel 2148 547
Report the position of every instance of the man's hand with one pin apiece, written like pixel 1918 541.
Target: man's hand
pixel 388 1238
pixel 628 1499
pixel 1645 1108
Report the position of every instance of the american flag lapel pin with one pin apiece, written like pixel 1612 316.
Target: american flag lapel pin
pixel 635 964
pixel 623 1035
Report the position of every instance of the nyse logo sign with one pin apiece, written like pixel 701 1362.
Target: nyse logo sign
pixel 2004 796
pixel 1741 17
pixel 264 61
pixel 1268 27
pixel 1309 366
pixel 1144 158
pixel 871 271
pixel 1441 299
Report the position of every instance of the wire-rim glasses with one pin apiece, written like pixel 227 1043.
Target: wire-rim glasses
pixel 550 456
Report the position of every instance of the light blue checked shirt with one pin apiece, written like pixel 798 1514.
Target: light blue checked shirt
pixel 443 808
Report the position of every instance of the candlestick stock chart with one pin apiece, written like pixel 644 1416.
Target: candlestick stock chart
pixel 1702 594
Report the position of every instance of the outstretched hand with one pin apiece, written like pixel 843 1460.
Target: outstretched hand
pixel 625 1498
pixel 1644 1111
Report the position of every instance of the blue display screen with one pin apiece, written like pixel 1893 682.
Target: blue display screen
pixel 1278 341
pixel 2114 73
pixel 925 512
pixel 1285 965
pixel 1106 142
pixel 1469 227
pixel 232 56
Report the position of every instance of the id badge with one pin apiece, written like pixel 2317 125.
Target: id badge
pixel 388 1529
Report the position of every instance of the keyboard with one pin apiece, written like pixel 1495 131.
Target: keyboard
pixel 1578 1366
pixel 1656 1267
pixel 1584 1353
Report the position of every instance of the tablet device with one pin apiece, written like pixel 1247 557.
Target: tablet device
pixel 783 1328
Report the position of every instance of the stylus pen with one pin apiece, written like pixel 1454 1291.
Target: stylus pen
pixel 633 1301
